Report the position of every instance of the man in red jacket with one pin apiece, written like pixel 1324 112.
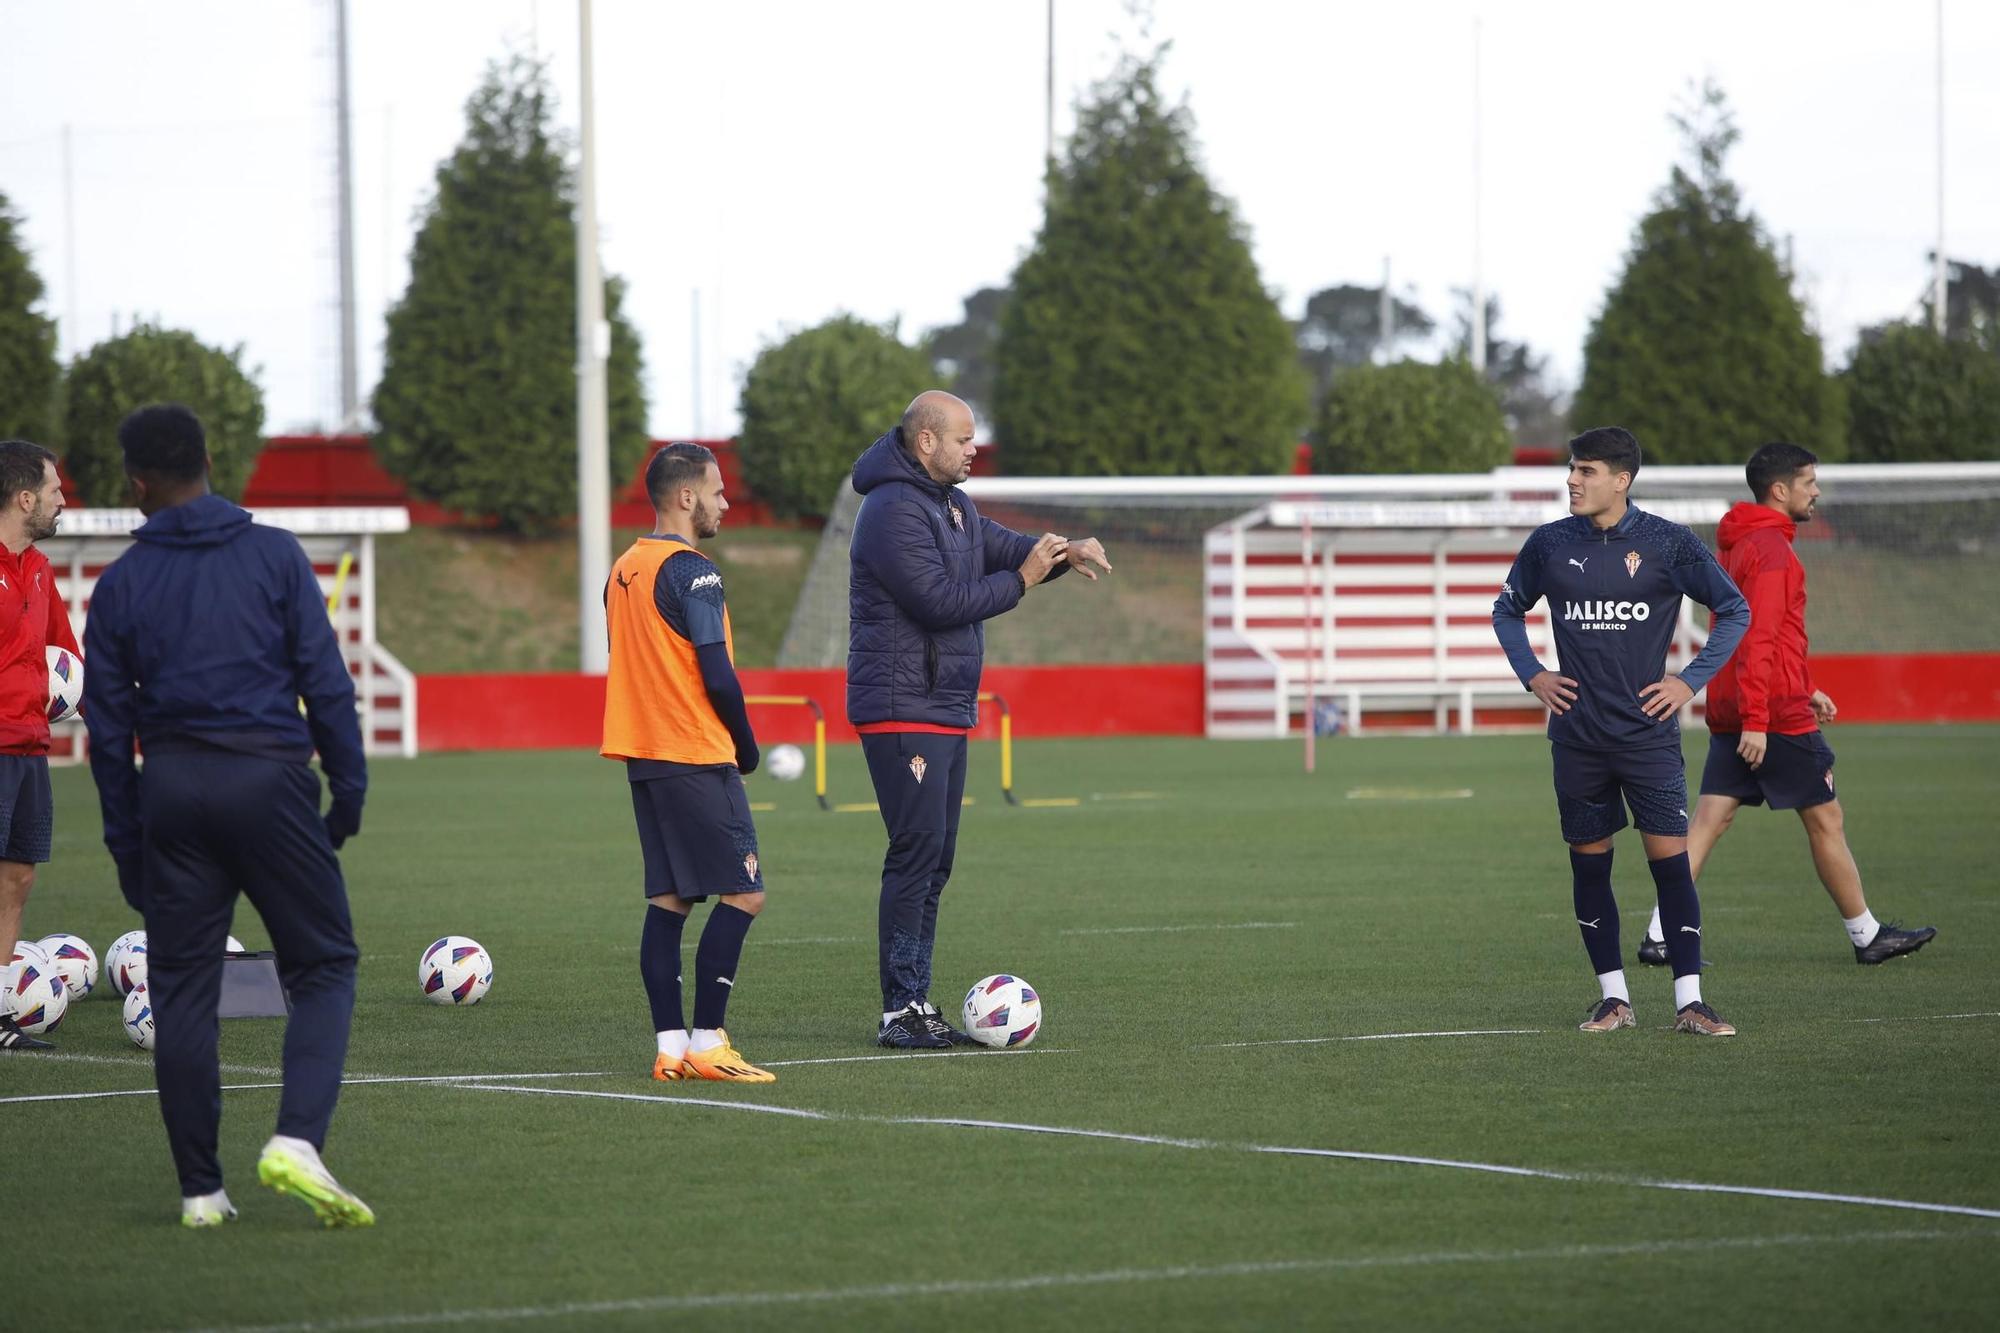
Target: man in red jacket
pixel 1764 713
pixel 32 617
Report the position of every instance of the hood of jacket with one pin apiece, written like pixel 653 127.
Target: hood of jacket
pixel 1745 518
pixel 206 520
pixel 887 460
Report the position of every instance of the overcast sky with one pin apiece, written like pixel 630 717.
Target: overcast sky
pixel 789 159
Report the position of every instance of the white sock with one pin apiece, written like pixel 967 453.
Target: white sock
pixel 888 1015
pixel 674 1043
pixel 1687 991
pixel 1613 985
pixel 298 1147
pixel 1654 931
pixel 1861 929
pixel 219 1199
pixel 705 1039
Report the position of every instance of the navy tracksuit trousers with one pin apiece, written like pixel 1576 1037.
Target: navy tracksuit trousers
pixel 218 824
pixel 919 786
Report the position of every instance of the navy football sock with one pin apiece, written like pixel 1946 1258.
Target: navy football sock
pixel 660 966
pixel 715 960
pixel 1596 909
pixel 1680 912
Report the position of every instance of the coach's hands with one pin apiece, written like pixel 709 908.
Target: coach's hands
pixel 1664 698
pixel 1751 746
pixel 1081 555
pixel 343 821
pixel 1823 709
pixel 1048 553
pixel 748 756
pixel 1557 693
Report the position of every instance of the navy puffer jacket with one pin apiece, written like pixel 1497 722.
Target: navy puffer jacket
pixel 924 571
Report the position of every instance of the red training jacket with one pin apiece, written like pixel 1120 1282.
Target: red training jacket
pixel 32 619
pixel 1766 686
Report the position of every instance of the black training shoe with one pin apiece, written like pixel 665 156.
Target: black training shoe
pixel 13 1039
pixel 908 1031
pixel 1892 941
pixel 935 1024
pixel 1652 952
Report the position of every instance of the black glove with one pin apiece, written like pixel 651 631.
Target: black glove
pixel 132 881
pixel 343 821
pixel 747 760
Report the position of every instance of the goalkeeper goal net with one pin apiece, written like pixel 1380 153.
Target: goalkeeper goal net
pixel 1375 594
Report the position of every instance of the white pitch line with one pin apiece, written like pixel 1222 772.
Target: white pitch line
pixel 359 1081
pixel 1920 1018
pixel 811 939
pixel 917 1055
pixel 902 1291
pixel 1375 1036
pixel 1341 1154
pixel 1172 930
pixel 134 1061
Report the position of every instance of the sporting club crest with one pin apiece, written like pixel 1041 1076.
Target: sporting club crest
pixel 750 866
pixel 1632 563
pixel 958 518
pixel 917 767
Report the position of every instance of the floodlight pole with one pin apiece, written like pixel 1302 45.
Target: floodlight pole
pixel 1478 277
pixel 1937 264
pixel 350 375
pixel 1049 92
pixel 593 350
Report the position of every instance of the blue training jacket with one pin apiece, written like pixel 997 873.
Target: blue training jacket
pixel 1614 598
pixel 209 630
pixel 925 569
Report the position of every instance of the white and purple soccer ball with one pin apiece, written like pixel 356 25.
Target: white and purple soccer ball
pixel 36 997
pixel 125 962
pixel 455 970
pixel 1002 1011
pixel 72 956
pixel 139 1018
pixel 65 684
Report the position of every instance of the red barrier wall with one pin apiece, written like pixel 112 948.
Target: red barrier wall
pixel 566 711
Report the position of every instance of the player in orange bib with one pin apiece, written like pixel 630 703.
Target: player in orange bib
pixel 674 713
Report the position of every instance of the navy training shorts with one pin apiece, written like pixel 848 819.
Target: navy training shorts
pixel 1593 787
pixel 27 808
pixel 696 834
pixel 1797 771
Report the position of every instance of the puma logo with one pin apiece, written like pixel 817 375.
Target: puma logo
pixel 1588 925
pixel 1579 564
pixel 624 583
pixel 1691 930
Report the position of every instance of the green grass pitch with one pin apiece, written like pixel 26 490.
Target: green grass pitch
pixel 1199 899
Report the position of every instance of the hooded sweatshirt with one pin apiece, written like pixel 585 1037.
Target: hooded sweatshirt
pixel 208 632
pixel 926 570
pixel 1766 686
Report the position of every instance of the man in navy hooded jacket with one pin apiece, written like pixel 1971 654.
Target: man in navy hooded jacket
pixel 925 571
pixel 202 640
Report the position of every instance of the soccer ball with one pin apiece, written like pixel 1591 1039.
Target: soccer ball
pixel 28 951
pixel 37 999
pixel 786 763
pixel 455 970
pixel 1002 1011
pixel 65 684
pixel 125 962
pixel 139 1018
pixel 75 960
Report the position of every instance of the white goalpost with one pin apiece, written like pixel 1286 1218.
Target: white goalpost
pixel 341 545
pixel 1374 594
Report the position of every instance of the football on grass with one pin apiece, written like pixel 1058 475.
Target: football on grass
pixel 1003 1011
pixel 786 763
pixel 455 970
